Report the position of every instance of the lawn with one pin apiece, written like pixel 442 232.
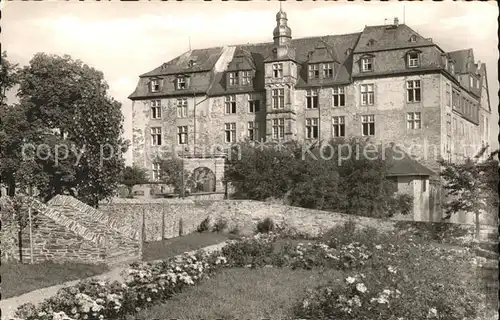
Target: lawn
pixel 161 250
pixel 242 293
pixel 22 278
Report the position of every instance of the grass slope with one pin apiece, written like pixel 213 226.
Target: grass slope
pixel 20 278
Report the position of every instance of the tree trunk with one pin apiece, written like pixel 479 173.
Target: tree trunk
pixel 477 224
pixel 20 244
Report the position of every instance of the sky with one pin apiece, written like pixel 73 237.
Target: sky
pixel 126 39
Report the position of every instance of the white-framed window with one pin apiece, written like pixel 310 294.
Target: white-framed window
pixel 230 104
pixel 155 109
pixel 455 127
pixel 156 170
pixel 368 125
pixel 156 136
pixel 413 59
pixel 181 83
pixel 367 64
pixel 413 120
pixel 253 106
pixel 155 85
pixel 278 98
pixel 182 108
pixel 367 94
pixel 338 126
pixel 278 128
pixel 413 91
pixel 233 78
pixel 313 71
pixel 413 38
pixel 312 99
pixel 182 135
pixel 246 78
pixel 424 185
pixel 327 70
pixel 312 128
pixel 253 130
pixel 338 96
pixel 230 132
pixel 277 70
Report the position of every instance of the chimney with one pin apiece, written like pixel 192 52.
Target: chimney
pixel 396 22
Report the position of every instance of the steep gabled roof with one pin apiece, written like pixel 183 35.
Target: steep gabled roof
pixel 461 58
pixel 242 60
pixel 386 37
pixel 337 44
pixel 204 60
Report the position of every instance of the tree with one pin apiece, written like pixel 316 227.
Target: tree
pixel 171 167
pixel 81 125
pixel 8 76
pixel 471 186
pixel 311 176
pixel 133 176
pixel 14 212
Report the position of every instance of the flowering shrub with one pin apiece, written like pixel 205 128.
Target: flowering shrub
pixel 251 251
pixel 392 277
pixel 144 285
pixel 403 279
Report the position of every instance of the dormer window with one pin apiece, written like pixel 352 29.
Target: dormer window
pixel 277 70
pixel 313 71
pixel 452 68
pixel 155 85
pixel 233 78
pixel 413 38
pixel 181 83
pixel 246 78
pixel 413 59
pixel 191 63
pixel 367 64
pixel 327 70
pixel 370 43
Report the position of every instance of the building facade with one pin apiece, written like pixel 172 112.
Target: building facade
pixel 387 82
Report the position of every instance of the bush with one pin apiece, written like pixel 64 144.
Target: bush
pixel 404 278
pixel 250 251
pixel 265 226
pixel 235 230
pixel 204 225
pixel 309 176
pixel 220 225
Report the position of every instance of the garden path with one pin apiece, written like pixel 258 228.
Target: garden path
pixel 9 306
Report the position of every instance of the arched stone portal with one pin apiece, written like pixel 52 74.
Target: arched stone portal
pixel 203 180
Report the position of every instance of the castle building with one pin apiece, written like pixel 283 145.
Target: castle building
pixel 387 82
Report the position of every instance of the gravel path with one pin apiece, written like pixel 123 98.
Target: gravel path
pixel 9 306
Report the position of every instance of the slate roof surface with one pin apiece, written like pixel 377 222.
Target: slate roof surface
pixel 337 48
pixel 461 57
pixel 386 37
pixel 205 60
pixel 402 164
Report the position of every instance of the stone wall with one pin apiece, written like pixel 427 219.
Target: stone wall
pixel 162 217
pixel 66 229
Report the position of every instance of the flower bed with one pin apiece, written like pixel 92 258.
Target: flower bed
pixel 393 277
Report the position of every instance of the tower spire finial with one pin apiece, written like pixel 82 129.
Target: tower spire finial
pixel 280 5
